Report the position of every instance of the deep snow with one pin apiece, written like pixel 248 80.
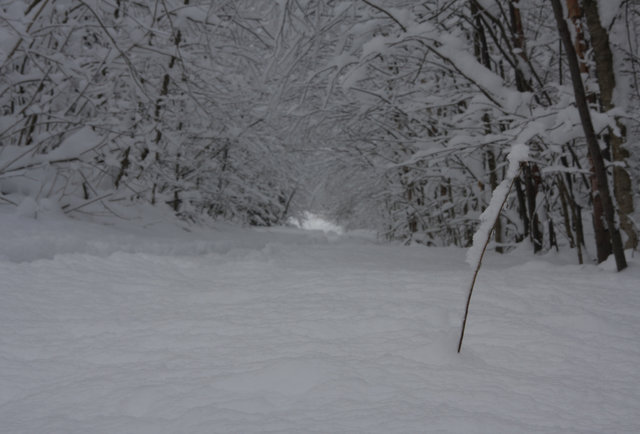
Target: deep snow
pixel 157 330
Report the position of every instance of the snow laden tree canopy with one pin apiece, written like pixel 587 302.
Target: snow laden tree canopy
pixel 388 114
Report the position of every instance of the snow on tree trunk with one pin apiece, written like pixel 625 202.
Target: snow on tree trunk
pixel 592 142
pixel 605 73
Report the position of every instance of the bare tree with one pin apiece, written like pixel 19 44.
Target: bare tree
pixel 592 141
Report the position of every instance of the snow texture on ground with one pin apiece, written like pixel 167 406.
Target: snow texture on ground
pixel 157 330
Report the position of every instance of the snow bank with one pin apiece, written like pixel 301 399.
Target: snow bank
pixel 33 231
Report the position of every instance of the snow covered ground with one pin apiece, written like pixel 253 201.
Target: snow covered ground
pixel 158 330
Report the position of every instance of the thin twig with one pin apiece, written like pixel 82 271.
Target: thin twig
pixel 104 196
pixel 477 270
pixel 387 13
pixel 8 200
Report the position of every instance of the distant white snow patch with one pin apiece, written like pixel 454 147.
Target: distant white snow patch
pixel 76 144
pixel 608 11
pixel 314 222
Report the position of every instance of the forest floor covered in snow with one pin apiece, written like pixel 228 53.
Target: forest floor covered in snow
pixel 131 329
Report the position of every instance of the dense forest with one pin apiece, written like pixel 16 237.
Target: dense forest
pixel 392 115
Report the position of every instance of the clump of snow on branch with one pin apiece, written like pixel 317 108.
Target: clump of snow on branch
pixel 518 154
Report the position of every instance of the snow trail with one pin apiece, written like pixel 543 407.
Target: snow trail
pixel 240 331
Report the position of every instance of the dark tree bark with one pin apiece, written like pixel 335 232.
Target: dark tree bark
pixel 592 142
pixel 532 222
pixel 522 207
pixel 517 30
pixel 605 75
pixel 565 186
pixel 602 237
pixel 532 185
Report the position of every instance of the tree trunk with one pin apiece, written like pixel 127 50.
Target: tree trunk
pixel 592 142
pixel 523 85
pixel 522 208
pixel 493 180
pixel 606 82
pixel 602 237
pixel 519 43
pixel 532 184
pixel 601 234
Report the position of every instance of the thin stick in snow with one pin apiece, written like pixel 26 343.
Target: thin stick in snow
pixel 488 219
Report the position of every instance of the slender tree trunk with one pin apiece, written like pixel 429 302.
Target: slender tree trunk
pixel 573 214
pixel 592 142
pixel 603 57
pixel 493 180
pixel 517 30
pixel 532 184
pixel 564 203
pixel 481 51
pixel 160 103
pixel 532 222
pixel 522 207
pixel 602 237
